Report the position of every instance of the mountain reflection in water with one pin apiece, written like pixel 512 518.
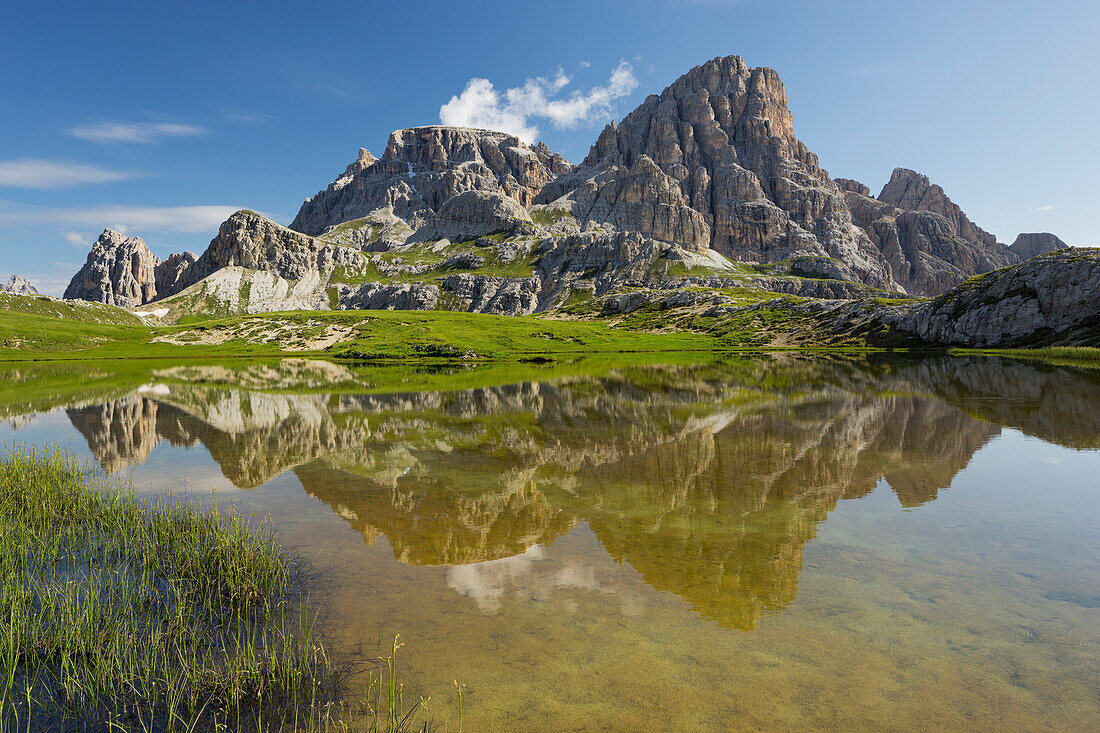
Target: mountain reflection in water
pixel 707 480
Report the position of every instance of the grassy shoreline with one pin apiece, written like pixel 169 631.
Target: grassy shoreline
pixel 92 331
pixel 146 614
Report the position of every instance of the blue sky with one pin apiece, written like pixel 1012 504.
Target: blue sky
pixel 161 117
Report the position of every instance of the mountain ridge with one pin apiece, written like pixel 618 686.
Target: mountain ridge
pixel 703 193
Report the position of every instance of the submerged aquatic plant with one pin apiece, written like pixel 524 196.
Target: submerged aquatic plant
pixel 146 614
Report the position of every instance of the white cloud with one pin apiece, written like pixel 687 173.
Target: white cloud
pixel 1047 207
pixel 113 131
pixel 515 110
pixel 54 174
pixel 78 239
pixel 190 219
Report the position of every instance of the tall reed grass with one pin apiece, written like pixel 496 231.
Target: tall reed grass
pixel 119 613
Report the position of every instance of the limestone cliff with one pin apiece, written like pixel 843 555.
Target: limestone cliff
pixel 248 240
pixel 909 190
pixel 423 167
pixel 122 271
pixel 724 136
pixel 1031 245
pixel 930 249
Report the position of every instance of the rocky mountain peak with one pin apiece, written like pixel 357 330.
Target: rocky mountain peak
pixel 18 285
pixel 122 271
pixel 423 167
pixel 1028 245
pixel 913 191
pixel 248 240
pixel 723 134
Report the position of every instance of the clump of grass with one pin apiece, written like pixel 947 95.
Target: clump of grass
pixel 157 614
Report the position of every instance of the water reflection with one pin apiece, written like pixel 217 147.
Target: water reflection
pixel 707 480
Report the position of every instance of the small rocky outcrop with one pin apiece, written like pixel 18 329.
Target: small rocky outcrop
pixel 488 294
pixel 18 285
pixel 724 134
pixel 379 231
pixel 388 296
pixel 248 240
pixel 1031 245
pixel 423 167
pixel 473 214
pixel 122 271
pixel 1052 298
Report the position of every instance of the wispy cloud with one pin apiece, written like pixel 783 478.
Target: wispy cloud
pixel 515 110
pixel 189 219
pixel 114 131
pixel 1046 207
pixel 238 114
pixel 55 174
pixel 78 239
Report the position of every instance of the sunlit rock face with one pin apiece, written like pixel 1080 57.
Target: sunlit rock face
pixel 927 240
pixel 18 285
pixel 723 136
pixel 423 167
pixel 123 271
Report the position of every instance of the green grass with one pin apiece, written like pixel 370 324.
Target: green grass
pixel 376 335
pixel 128 614
pixel 418 334
pixel 1082 356
pixel 38 331
pixel 544 216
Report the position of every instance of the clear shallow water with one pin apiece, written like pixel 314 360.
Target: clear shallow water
pixel 785 543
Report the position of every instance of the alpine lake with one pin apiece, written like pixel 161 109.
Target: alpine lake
pixel 781 542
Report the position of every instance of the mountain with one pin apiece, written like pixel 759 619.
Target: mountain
pixel 722 137
pixel 1031 245
pixel 122 271
pixel 423 167
pixel 701 203
pixel 930 243
pixel 18 285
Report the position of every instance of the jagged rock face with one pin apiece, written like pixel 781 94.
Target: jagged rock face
pixel 908 189
pixel 248 240
pixel 1031 245
pixel 472 214
pixel 924 248
pixel 122 271
pixel 171 275
pixel 18 285
pixel 724 134
pixel 423 167
pixel 847 184
pixel 1053 295
pixel 487 294
pixel 641 198
pixel 1052 299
